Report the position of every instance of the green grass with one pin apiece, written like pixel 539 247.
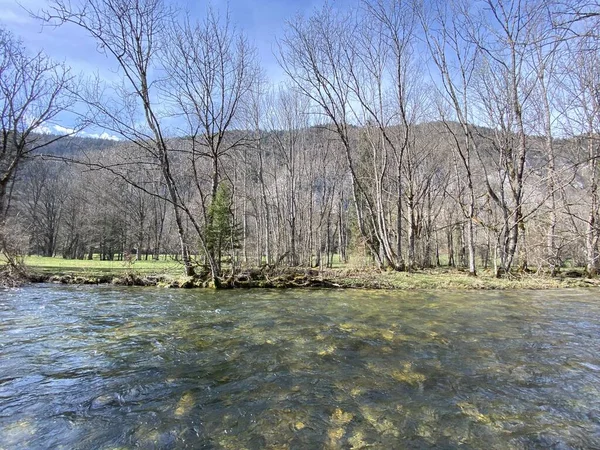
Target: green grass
pixel 96 267
pixel 452 279
pixel 344 275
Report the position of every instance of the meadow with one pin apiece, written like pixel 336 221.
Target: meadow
pixel 342 275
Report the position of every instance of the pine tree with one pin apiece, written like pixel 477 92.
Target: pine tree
pixel 222 233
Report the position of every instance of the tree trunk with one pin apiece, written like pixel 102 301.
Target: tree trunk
pixel 592 223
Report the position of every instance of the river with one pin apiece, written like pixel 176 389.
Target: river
pixel 107 367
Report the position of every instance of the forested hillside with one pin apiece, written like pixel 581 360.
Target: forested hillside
pixel 289 201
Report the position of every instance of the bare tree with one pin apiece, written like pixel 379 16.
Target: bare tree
pixel 132 33
pixel 455 57
pixel 288 123
pixel 576 18
pixel 33 92
pixel 582 86
pixel 502 33
pixel 316 53
pixel 385 81
pixel 210 71
pixel 43 189
pixel 349 66
pixel 548 50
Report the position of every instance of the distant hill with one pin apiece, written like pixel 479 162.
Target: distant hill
pixel 72 145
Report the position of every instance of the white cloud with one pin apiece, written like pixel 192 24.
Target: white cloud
pixel 43 129
pixel 104 135
pixel 59 129
pixel 63 130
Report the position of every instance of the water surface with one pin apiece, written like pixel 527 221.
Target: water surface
pixel 106 367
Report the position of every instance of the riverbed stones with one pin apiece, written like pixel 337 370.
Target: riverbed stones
pixel 185 403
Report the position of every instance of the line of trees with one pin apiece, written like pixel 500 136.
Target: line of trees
pixel 407 134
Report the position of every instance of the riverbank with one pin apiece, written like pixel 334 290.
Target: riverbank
pixel 354 278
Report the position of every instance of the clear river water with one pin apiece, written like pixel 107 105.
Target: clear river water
pixel 106 367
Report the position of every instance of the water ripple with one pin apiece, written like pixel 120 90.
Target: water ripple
pixel 106 367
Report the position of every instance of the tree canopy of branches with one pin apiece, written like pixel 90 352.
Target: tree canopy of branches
pixel 33 92
pixel 406 135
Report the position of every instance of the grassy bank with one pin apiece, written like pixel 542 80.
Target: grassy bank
pixel 446 278
pixel 168 273
pixel 95 267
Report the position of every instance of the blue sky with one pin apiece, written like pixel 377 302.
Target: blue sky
pixel 261 20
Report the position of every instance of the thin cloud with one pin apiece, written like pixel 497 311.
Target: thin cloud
pixel 12 17
pixel 105 135
pixel 63 130
pixel 58 129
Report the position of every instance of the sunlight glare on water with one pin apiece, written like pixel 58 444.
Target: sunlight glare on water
pixel 106 367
